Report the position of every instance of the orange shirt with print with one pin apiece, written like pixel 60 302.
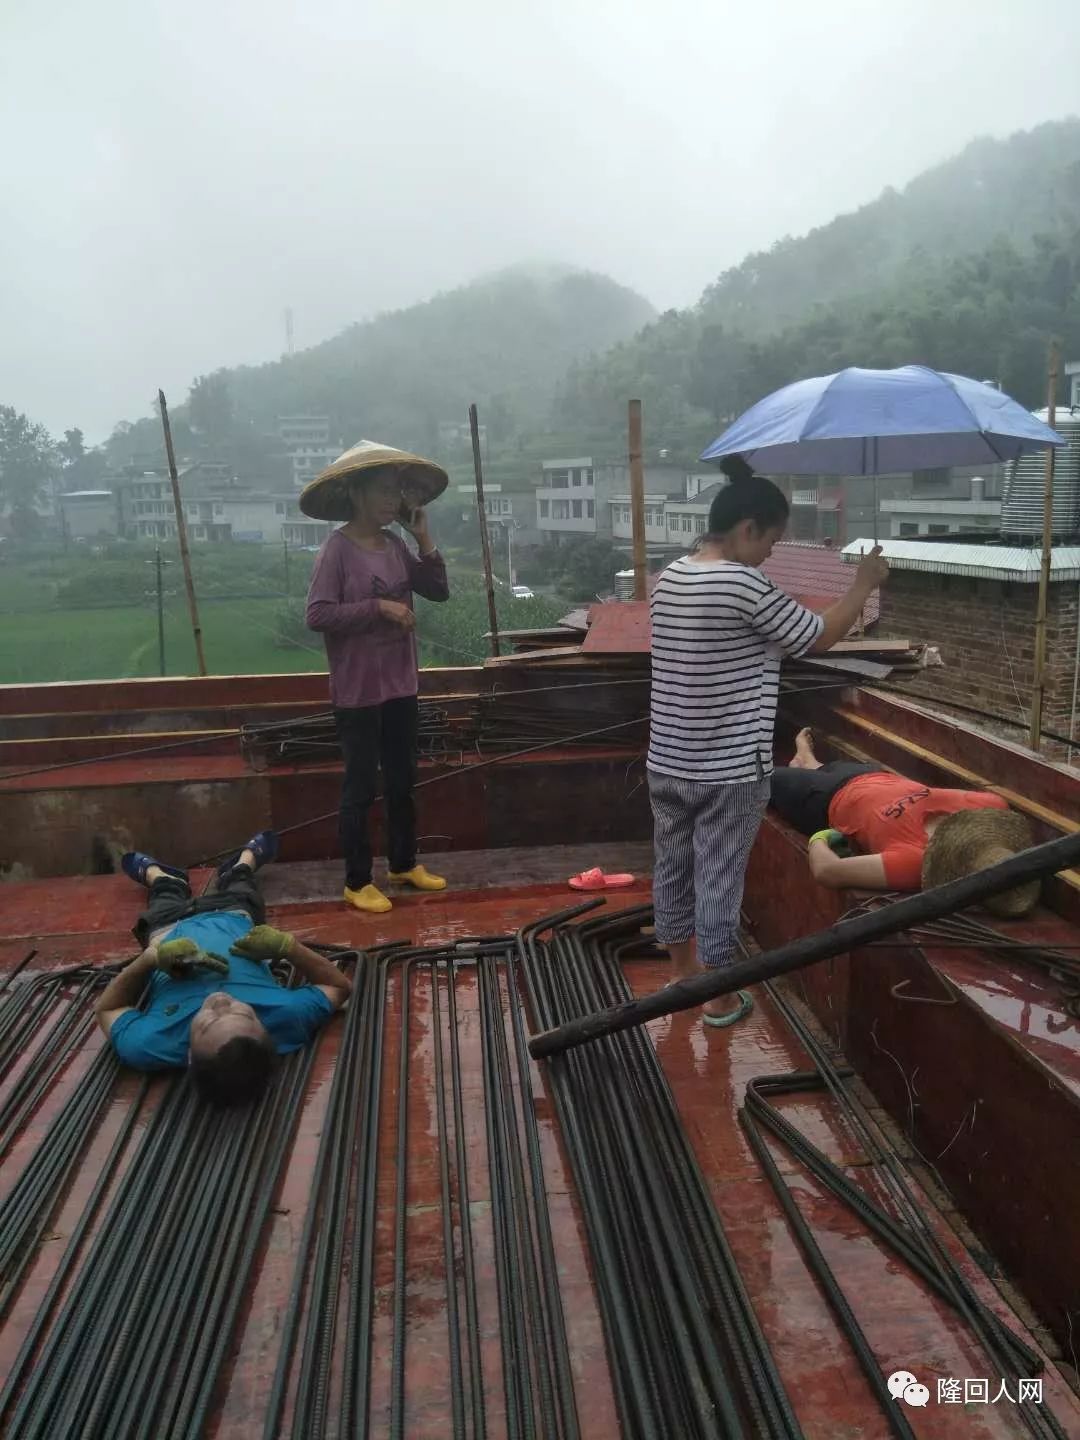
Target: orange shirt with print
pixel 886 815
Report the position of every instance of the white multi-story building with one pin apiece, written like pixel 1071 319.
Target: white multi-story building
pixel 309 460
pixel 924 515
pixel 566 499
pixel 234 515
pixel 309 445
pixel 298 430
pixel 622 524
pixel 673 521
pixel 497 506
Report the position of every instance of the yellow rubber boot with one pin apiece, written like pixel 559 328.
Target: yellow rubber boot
pixel 418 878
pixel 369 899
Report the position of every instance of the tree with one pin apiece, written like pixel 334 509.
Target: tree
pixel 83 469
pixel 73 447
pixel 210 409
pixel 28 465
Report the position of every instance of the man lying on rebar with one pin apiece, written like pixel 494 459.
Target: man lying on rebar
pixel 871 829
pixel 214 1005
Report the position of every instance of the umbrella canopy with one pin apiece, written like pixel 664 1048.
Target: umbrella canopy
pixel 881 422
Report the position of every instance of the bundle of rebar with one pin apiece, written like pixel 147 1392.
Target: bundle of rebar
pixel 509 723
pixel 905 1227
pixel 687 1355
pixel 452 730
pixel 315 738
pixel 334 1300
pixel 425 1285
pixel 45 1020
pixel 134 1328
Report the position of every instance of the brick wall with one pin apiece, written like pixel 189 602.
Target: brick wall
pixel 985 631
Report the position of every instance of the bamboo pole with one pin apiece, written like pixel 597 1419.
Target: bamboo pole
pixel 485 543
pixel 181 535
pixel 637 501
pixel 1038 692
pixel 846 936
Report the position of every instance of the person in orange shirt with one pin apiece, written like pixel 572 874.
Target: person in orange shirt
pixel 907 836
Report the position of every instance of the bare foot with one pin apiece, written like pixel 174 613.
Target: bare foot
pixel 805 759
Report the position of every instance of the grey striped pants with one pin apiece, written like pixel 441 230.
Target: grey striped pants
pixel 702 838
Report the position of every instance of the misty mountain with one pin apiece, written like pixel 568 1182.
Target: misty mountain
pixel 971 268
pixel 503 341
pixel 1015 189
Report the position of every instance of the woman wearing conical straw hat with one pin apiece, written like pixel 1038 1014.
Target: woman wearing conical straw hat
pixel 361 602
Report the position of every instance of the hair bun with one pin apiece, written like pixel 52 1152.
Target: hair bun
pixel 736 468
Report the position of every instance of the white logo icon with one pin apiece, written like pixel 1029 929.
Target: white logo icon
pixel 899 1381
pixel 904 1386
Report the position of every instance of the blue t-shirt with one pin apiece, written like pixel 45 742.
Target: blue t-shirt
pixel 157 1038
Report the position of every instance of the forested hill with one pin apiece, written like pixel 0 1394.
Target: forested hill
pixel 503 341
pixel 984 301
pixel 1017 188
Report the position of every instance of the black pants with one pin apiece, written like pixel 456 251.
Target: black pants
pixel 171 900
pixel 802 797
pixel 384 733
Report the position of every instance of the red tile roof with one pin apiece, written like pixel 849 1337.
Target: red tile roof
pixel 815 574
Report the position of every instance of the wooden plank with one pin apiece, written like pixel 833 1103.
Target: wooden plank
pixel 576 620
pixel 553 632
pixel 855 665
pixel 620 628
pixel 554 652
pixel 873 647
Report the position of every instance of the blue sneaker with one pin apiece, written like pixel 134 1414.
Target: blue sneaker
pixel 135 865
pixel 264 846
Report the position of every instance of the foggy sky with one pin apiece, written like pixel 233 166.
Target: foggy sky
pixel 173 175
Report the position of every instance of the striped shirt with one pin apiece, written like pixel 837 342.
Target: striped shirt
pixel 719 631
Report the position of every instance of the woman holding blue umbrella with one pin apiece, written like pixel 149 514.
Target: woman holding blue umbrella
pixel 719 632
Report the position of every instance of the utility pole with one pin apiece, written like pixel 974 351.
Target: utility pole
pixel 285 549
pixel 1039 687
pixel 637 501
pixel 158 564
pixel 485 544
pixel 181 535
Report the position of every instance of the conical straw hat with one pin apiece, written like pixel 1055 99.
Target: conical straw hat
pixel 327 496
pixel 973 840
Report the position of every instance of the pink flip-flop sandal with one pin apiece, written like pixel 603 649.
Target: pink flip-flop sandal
pixel 597 880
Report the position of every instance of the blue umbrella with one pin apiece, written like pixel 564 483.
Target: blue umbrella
pixel 881 422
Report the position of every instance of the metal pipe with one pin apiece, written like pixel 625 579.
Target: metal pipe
pixel 1031 864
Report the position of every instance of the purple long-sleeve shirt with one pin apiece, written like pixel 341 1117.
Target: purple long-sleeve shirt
pixel 371 658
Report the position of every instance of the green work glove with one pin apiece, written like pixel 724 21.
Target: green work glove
pixel 836 840
pixel 263 943
pixel 179 959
